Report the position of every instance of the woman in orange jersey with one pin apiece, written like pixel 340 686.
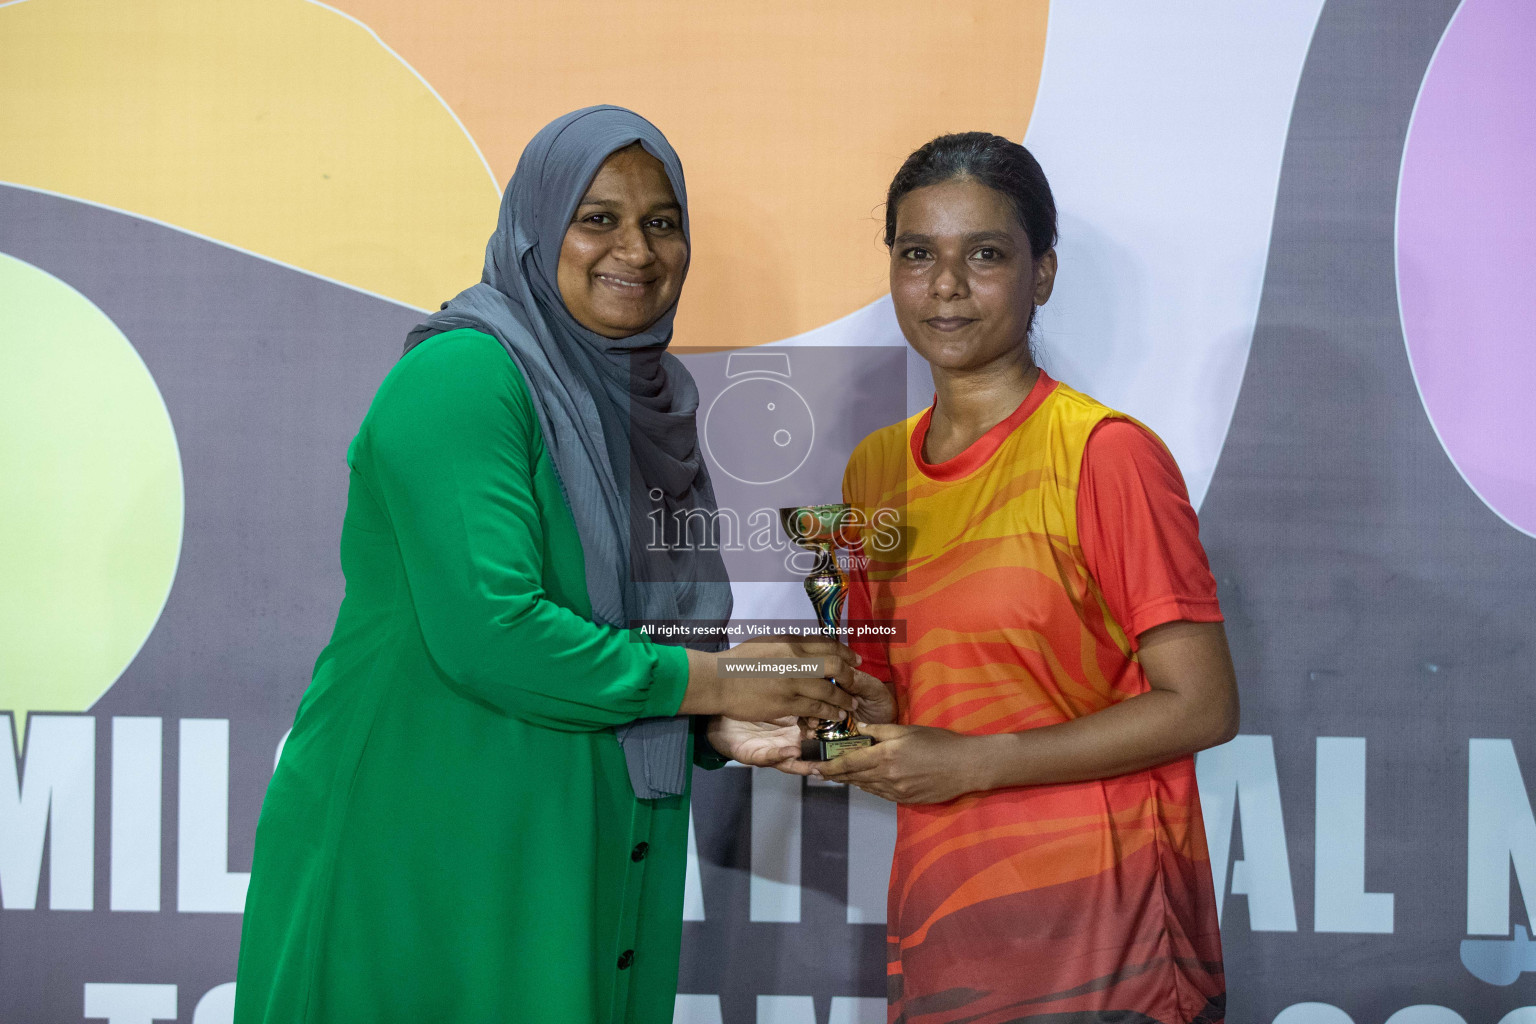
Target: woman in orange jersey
pixel 1063 655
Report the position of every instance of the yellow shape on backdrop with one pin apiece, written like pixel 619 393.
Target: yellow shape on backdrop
pixel 790 116
pixel 90 498
pixel 278 126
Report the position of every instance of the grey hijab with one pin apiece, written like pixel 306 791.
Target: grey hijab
pixel 618 415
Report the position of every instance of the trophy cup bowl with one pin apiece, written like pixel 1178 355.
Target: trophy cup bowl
pixel 818 528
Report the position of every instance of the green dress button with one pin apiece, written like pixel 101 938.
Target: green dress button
pixel 626 958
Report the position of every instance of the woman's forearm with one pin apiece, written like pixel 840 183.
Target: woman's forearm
pixel 703 695
pixel 1140 732
pixel 1192 705
pixel 757 696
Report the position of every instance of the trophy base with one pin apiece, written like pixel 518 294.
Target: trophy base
pixel 818 749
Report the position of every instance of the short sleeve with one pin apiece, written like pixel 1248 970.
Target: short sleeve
pixel 1139 534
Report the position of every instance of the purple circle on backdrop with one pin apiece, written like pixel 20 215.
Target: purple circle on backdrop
pixel 1466 251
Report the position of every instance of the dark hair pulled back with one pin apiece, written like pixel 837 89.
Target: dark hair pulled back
pixel 997 163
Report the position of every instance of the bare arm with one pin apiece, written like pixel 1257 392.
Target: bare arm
pixel 776 744
pixel 763 697
pixel 1192 704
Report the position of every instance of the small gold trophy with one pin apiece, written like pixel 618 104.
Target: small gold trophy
pixel 816 528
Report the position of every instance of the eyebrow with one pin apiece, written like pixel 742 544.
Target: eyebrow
pixel 590 200
pixel 971 239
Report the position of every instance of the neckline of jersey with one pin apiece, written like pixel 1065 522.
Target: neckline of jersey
pixel 985 446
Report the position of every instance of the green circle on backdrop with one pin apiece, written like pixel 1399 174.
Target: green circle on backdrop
pixel 90 497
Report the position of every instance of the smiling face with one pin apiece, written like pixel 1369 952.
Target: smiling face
pixel 962 279
pixel 624 256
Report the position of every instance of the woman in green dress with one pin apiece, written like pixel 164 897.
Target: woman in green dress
pixel 481 813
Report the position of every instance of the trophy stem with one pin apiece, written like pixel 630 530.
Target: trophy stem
pixel 816 527
pixel 827 588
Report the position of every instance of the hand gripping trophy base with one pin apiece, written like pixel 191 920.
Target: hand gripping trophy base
pixel 815 527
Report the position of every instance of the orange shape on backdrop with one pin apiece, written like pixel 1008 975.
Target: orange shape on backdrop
pixel 277 126
pixel 790 118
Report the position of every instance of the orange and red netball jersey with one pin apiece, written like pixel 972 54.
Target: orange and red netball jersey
pixel 1079 903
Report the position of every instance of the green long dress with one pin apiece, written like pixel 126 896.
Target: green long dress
pixel 451 834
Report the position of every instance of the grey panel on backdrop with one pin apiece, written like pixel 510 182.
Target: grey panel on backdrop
pixel 266 373
pixel 1368 592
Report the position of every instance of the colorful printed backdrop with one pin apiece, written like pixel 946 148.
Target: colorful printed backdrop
pixel 1297 239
